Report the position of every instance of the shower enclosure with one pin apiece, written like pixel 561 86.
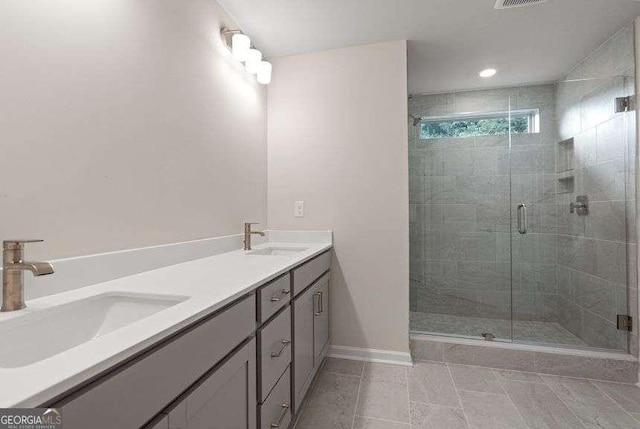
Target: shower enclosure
pixel 522 208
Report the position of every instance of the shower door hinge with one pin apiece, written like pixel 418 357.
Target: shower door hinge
pixel 625 322
pixel 624 104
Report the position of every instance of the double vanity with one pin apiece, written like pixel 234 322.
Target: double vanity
pixel 229 341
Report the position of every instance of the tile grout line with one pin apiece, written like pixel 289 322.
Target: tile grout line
pixel 612 399
pixel 515 407
pixel 563 402
pixel 464 413
pixel 355 409
pixel 518 381
pixel 495 373
pixel 437 405
pixel 488 393
pixel 383 420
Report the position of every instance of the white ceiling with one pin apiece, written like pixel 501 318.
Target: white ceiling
pixel 450 41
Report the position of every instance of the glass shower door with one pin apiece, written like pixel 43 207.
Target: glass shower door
pixel 460 215
pixel 573 199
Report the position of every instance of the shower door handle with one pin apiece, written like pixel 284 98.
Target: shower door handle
pixel 522 218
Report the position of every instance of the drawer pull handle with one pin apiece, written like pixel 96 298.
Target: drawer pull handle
pixel 285 410
pixel 278 298
pixel 319 305
pixel 285 343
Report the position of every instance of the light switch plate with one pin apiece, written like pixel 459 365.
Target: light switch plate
pixel 298 209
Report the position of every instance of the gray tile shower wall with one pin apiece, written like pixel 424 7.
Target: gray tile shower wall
pixel 461 198
pixel 597 252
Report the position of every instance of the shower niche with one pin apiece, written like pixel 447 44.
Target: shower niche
pixel 566 166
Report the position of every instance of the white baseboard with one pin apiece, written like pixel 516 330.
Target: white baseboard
pixel 370 355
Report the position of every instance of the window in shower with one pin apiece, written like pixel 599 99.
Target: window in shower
pixel 485 124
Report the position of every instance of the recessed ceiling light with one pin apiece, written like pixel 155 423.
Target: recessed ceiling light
pixel 488 72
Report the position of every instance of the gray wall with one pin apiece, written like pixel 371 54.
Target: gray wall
pixel 592 250
pixel 120 126
pixel 334 165
pixel 460 211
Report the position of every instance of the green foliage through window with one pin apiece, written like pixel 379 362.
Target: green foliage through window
pixel 476 126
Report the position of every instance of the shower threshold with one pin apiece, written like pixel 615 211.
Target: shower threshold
pixel 544 359
pixel 475 327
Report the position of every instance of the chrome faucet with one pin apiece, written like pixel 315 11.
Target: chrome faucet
pixel 13 268
pixel 247 234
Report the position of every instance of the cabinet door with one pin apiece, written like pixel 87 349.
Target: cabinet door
pixel 302 345
pixel 320 318
pixel 226 399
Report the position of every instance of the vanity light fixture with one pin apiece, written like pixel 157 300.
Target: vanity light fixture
pixel 252 63
pixel 240 46
pixel 488 72
pixel 264 72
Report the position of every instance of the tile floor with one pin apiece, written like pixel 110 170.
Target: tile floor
pixel 356 395
pixel 529 331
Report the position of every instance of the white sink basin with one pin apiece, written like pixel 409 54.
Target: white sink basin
pixel 277 251
pixel 42 334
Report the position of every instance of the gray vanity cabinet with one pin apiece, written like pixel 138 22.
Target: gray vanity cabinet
pixel 321 319
pixel 303 345
pixel 241 367
pixel 311 335
pixel 131 395
pixel 226 399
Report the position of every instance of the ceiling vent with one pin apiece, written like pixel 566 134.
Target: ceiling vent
pixel 507 4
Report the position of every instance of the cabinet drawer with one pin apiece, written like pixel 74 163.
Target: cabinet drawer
pixel 305 275
pixel 273 296
pixel 275 351
pixel 152 381
pixel 275 412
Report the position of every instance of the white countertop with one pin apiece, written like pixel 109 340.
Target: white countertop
pixel 210 283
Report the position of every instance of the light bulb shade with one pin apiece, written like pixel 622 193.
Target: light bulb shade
pixel 240 44
pixel 264 73
pixel 252 63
